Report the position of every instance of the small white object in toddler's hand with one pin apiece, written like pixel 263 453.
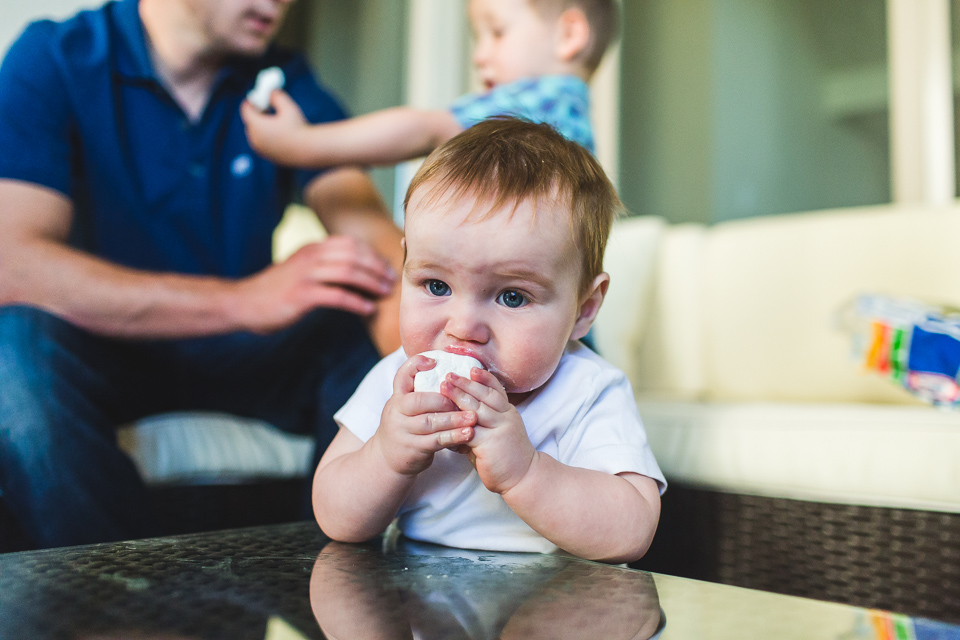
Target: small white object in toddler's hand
pixel 267 80
pixel 446 363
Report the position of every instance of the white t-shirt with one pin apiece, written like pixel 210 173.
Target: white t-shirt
pixel 584 416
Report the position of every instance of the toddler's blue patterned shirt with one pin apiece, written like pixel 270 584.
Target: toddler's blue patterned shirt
pixel 562 101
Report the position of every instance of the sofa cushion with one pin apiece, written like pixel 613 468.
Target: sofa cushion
pixel 872 455
pixel 299 226
pixel 630 260
pixel 213 448
pixel 670 353
pixel 774 287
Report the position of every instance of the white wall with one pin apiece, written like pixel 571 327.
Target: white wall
pixel 15 14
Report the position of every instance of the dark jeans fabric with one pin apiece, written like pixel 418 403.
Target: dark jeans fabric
pixel 63 391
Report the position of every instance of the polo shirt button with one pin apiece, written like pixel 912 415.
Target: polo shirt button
pixel 197 170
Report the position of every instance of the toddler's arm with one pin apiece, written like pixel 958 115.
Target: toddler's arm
pixel 383 137
pixel 589 513
pixel 359 487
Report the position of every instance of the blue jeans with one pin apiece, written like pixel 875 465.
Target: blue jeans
pixel 63 391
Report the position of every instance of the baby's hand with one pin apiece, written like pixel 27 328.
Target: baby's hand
pixel 276 136
pixel 415 425
pixel 500 449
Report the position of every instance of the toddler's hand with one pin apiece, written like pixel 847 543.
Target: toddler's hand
pixel 415 425
pixel 276 136
pixel 500 449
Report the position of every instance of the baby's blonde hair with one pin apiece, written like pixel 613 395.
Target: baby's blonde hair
pixel 506 160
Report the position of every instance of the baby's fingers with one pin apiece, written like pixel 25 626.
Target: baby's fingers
pixel 483 389
pixel 433 423
pixel 454 438
pixel 488 380
pixel 284 105
pixel 403 381
pixel 248 112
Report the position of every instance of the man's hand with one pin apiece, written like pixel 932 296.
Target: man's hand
pixel 278 136
pixel 340 273
pixel 500 449
pixel 347 203
pixel 415 425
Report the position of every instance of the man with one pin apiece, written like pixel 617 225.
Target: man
pixel 135 273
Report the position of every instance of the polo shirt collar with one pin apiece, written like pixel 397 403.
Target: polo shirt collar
pixel 136 61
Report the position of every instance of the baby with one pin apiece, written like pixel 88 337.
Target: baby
pixel 534 58
pixel 542 447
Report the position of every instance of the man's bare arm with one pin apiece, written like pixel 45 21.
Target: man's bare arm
pixel 39 269
pixel 348 204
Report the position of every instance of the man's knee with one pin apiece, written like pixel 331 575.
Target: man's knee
pixel 49 374
pixel 24 331
pixel 58 462
pixel 29 341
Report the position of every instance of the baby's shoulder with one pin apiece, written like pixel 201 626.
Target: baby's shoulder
pixel 582 371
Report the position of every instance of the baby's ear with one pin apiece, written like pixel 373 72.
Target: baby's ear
pixel 590 305
pixel 573 30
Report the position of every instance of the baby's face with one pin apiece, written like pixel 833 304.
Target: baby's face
pixel 504 289
pixel 512 41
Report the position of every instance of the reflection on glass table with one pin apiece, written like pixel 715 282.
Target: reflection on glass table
pixel 289 582
pixel 414 590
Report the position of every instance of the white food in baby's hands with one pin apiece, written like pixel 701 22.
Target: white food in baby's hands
pixel 267 80
pixel 446 363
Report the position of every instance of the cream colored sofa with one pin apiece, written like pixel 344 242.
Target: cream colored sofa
pixel 744 377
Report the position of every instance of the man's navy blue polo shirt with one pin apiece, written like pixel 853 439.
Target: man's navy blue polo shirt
pixel 82 112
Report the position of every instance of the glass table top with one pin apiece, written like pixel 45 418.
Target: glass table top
pixel 289 582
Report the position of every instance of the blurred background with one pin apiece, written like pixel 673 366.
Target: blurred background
pixel 709 110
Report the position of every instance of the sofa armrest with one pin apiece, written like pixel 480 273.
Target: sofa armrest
pixel 630 260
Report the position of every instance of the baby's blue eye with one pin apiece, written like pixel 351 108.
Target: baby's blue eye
pixel 512 299
pixel 438 288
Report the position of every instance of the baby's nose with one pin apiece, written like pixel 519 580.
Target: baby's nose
pixel 480 53
pixel 466 323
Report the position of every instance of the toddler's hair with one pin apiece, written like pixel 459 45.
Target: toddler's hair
pixel 602 16
pixel 505 160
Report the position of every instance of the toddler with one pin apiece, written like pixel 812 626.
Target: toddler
pixel 542 447
pixel 533 57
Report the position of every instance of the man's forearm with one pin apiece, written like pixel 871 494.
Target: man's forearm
pixel 112 300
pixel 38 268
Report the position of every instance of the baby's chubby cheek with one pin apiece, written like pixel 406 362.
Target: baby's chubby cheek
pixel 525 370
pixel 414 347
pixel 415 337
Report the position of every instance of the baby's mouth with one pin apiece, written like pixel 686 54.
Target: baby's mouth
pixel 465 351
